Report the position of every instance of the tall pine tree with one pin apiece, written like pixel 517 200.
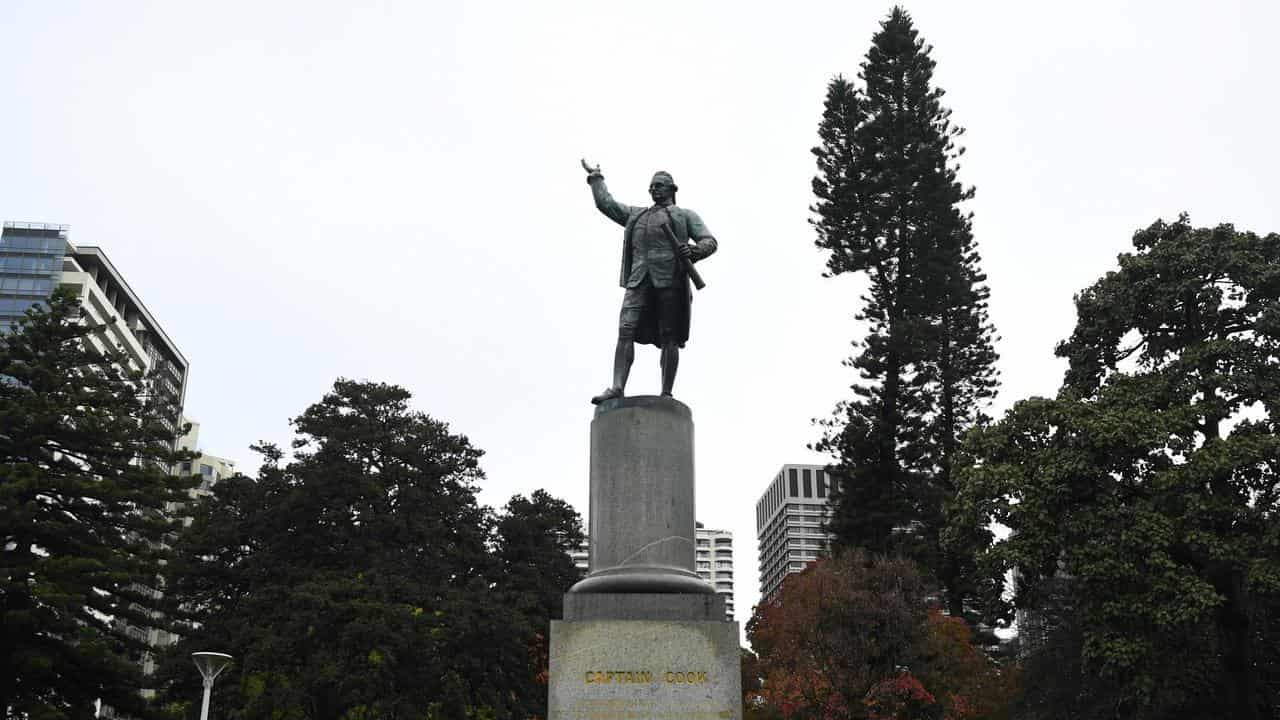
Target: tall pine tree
pixel 83 451
pixel 889 206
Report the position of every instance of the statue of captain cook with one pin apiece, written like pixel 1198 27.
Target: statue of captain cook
pixel 660 243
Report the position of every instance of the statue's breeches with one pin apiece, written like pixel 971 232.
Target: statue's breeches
pixel 655 316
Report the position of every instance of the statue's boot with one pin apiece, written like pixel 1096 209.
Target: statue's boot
pixel 623 355
pixel 608 394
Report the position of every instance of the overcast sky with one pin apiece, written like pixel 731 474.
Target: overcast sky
pixel 302 191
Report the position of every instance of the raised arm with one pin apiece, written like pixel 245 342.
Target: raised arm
pixel 605 203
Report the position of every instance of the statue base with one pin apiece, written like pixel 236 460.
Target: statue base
pixel 643 636
pixel 608 669
pixel 642 496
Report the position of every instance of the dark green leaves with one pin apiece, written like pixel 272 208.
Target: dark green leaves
pixel 362 579
pixel 888 205
pixel 1150 482
pixel 83 485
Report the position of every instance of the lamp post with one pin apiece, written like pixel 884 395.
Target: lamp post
pixel 209 664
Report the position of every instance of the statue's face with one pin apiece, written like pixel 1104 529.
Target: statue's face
pixel 661 190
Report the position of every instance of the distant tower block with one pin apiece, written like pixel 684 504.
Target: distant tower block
pixel 791 519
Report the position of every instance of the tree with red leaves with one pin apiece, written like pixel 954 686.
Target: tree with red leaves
pixel 853 638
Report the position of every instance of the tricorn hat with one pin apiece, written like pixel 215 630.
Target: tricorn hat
pixel 665 177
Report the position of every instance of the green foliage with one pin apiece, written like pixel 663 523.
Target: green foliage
pixel 1150 482
pixel 888 206
pixel 84 444
pixel 1060 687
pixel 534 538
pixel 362 579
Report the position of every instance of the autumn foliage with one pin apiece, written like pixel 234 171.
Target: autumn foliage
pixel 854 637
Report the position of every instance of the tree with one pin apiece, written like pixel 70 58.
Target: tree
pixel 965 681
pixel 357 579
pixel 855 637
pixel 836 630
pixel 889 206
pixel 1052 640
pixel 534 538
pixel 753 702
pixel 1150 482
pixel 84 444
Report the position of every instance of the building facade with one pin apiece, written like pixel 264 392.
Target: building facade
pixel 31 258
pixel 791 519
pixel 581 556
pixel 210 468
pixel 36 258
pixel 713 561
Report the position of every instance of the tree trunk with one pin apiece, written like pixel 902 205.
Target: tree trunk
pixel 1235 631
pixel 890 410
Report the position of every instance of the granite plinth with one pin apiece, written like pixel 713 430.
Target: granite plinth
pixel 638 670
pixel 642 499
pixel 643 606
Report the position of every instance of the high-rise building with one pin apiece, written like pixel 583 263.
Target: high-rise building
pixel 31 258
pixel 791 518
pixel 713 562
pixel 35 258
pixel 581 556
pixel 210 468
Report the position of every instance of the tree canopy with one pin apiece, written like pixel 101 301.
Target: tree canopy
pixel 854 637
pixel 85 445
pixel 361 578
pixel 1150 482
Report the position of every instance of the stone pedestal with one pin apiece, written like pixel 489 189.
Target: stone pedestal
pixel 643 670
pixel 642 521
pixel 643 636
pixel 643 606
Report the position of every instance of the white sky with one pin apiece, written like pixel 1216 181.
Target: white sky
pixel 301 191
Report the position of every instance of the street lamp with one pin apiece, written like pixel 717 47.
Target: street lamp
pixel 209 664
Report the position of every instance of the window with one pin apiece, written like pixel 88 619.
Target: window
pixel 795 482
pixel 822 484
pixel 808 483
pixel 206 470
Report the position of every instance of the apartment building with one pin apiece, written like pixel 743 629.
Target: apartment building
pixel 791 517
pixel 713 561
pixel 36 258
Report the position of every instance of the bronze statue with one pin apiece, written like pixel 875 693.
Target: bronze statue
pixel 660 243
